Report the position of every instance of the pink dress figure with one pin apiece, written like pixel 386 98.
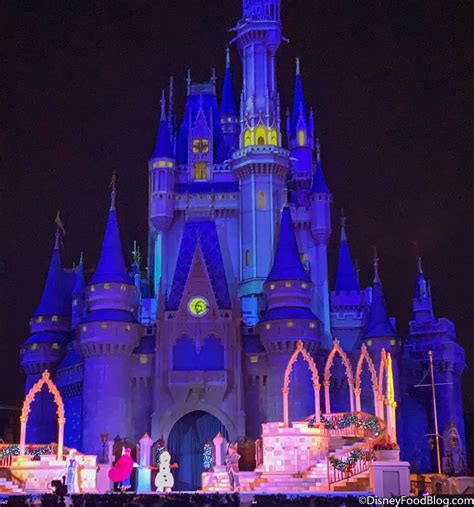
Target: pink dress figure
pixel 122 470
pixel 232 467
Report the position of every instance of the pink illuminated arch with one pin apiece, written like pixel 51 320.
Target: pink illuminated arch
pixel 336 349
pixel 364 356
pixel 315 378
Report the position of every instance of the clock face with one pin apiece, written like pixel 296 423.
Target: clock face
pixel 198 306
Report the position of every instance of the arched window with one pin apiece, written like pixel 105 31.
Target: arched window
pixel 184 354
pixel 247 257
pixel 161 180
pixel 301 137
pixel 247 138
pixel 261 134
pixel 212 354
pixel 273 137
pixel 200 171
pixel 261 200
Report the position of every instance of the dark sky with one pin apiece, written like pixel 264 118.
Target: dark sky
pixel 80 85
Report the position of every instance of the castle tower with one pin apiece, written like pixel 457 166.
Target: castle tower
pixel 109 334
pixel 321 198
pixel 228 110
pixel 261 165
pixel 161 196
pixel 78 295
pixel 426 332
pixel 288 290
pixel 348 301
pixel 50 327
pixel 300 133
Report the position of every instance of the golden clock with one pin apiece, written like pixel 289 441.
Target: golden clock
pixel 198 306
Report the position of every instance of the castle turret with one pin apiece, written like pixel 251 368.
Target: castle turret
pixel 348 301
pixel 161 194
pixel 228 111
pixel 288 290
pixel 50 327
pixel 321 198
pixel 261 165
pixel 78 295
pixel 109 334
pixel 422 305
pixel 300 143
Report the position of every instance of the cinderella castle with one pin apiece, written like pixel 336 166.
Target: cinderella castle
pixel 196 342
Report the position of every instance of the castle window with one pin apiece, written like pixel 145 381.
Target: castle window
pixel 288 284
pixel 74 302
pixel 261 134
pixel 290 323
pixel 267 326
pixel 200 145
pixel 312 325
pixel 369 342
pixel 54 318
pixel 143 359
pixel 84 328
pixel 55 346
pixel 196 145
pixel 254 359
pixel 204 145
pixel 301 138
pixel 123 287
pixel 35 346
pixel 92 288
pixel 247 138
pixel 304 285
pixel 161 163
pixel 107 286
pixel 103 325
pixel 393 342
pixel 200 171
pixel 161 180
pixel 272 286
pixel 128 327
pixel 39 319
pixel 261 200
pixel 247 257
pixel 273 137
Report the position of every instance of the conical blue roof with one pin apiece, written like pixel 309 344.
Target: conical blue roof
pixel 421 289
pixel 379 324
pixel 299 104
pixel 319 183
pixel 228 107
pixel 346 278
pixel 79 285
pixel 287 263
pixel 111 266
pixel 53 299
pixel 163 146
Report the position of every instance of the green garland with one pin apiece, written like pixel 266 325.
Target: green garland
pixel 14 450
pixel 349 419
pixel 348 464
pixel 207 456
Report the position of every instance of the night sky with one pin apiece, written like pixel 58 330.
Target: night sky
pixel 80 86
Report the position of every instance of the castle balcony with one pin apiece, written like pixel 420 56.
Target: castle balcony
pixel 197 384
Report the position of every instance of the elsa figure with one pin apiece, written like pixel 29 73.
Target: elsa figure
pixel 72 476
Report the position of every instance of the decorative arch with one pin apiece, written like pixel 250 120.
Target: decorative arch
pixel 381 396
pixel 336 349
pixel 315 377
pixel 364 356
pixel 26 409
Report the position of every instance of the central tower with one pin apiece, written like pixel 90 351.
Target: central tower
pixel 261 164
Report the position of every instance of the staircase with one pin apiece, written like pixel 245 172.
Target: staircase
pixel 9 487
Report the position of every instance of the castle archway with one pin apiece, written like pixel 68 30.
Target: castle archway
pixel 365 357
pixel 336 349
pixel 25 411
pixel 186 442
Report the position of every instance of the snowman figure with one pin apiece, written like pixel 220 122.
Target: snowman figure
pixel 164 480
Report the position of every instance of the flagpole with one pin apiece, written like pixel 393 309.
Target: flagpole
pixel 435 412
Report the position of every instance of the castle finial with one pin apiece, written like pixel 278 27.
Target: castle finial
pixel 343 219
pixel 114 191
pixel 163 106
pixel 357 270
pixel 298 66
pixel 81 259
pixel 420 267
pixel 213 76
pixel 188 80
pixel 227 57
pixel 59 230
pixel 318 150
pixel 376 266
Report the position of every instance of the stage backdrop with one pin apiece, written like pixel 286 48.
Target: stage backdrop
pixel 185 444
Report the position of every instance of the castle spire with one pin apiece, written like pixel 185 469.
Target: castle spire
pixel 299 104
pixel 319 185
pixel 228 107
pixel 378 324
pixel 287 263
pixel 111 266
pixel 163 146
pixel 346 278
pixel 53 298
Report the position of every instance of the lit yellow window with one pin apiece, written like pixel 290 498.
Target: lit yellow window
pixel 196 145
pixel 34 346
pixel 261 200
pixel 55 346
pixel 161 163
pixel 254 359
pixel 39 319
pixel 267 326
pixel 304 285
pixel 301 138
pixel 272 286
pixel 169 164
pixel 290 323
pixel 92 288
pixel 107 286
pixel 247 257
pixel 128 327
pixel 369 342
pixel 123 287
pixel 103 325
pixel 54 318
pixel 273 137
pixel 143 359
pixel 84 328
pixel 260 135
pixel 204 145
pixel 247 138
pixel 200 171
pixel 288 284
pixel 312 325
pixel 393 342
